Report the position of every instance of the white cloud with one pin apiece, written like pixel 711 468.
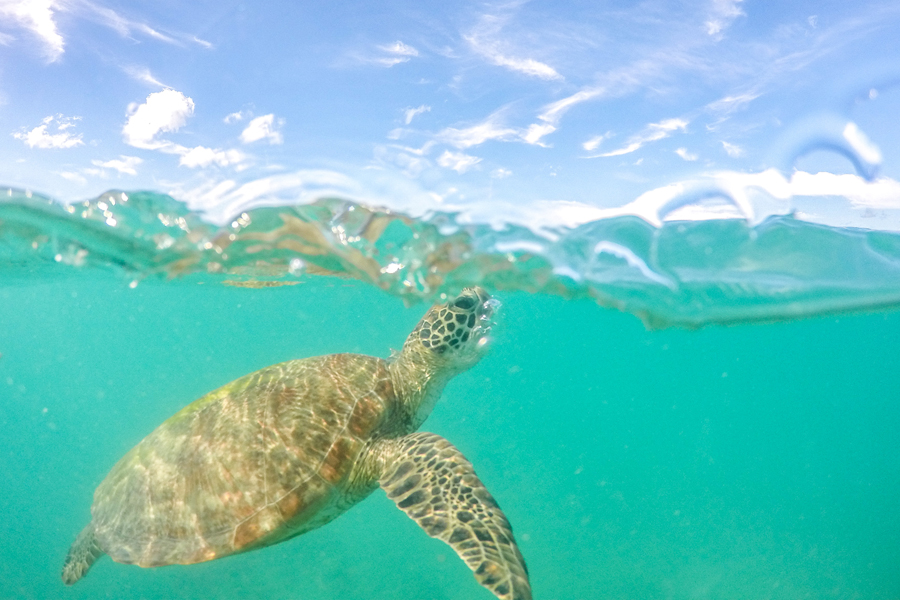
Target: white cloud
pixel 412 113
pixel 554 112
pixel 536 131
pixel 733 150
pixel 457 161
pixel 525 66
pixel 492 128
pixel 387 61
pixel 683 153
pixel 235 117
pixel 40 138
pixel 486 40
pixel 501 173
pixel 201 42
pixel 397 53
pixel 37 17
pixel 729 104
pixel 123 164
pixel 122 25
pixel 722 15
pixel 73 177
pixel 165 111
pixel 425 149
pixel 400 49
pixel 263 128
pixel 594 143
pixel 204 157
pixel 489 129
pixel 144 75
pixel 128 28
pixel 651 133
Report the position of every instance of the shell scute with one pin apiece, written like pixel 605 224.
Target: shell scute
pixel 250 464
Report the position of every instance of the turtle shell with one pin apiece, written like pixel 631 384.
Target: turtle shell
pixel 262 459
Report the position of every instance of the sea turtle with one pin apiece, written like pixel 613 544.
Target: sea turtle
pixel 290 447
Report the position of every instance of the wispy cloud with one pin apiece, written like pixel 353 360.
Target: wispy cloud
pixel 39 137
pixel 686 155
pixel 398 48
pixel 721 15
pixel 123 164
pixel 130 28
pixel 457 161
pixel 37 16
pixel 732 103
pixel 594 143
pixel 732 150
pixel 144 75
pixel 263 128
pixel 387 55
pixel 525 66
pixel 122 25
pixel 412 113
pixel 651 133
pixel 493 128
pixel 486 41
pixel 552 113
pixel 489 129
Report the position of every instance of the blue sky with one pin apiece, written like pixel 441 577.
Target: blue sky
pixel 530 111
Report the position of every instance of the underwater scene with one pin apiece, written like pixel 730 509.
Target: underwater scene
pixel 528 299
pixel 666 458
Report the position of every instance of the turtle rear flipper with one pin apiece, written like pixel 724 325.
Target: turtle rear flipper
pixel 83 553
pixel 433 483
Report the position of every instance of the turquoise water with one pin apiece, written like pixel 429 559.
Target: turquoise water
pixel 749 461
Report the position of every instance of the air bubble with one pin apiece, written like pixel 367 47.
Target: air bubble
pixel 296 266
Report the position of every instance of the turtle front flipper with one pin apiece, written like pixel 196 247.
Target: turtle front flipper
pixel 83 553
pixel 433 483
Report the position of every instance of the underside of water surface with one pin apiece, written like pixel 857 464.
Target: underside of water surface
pixel 682 273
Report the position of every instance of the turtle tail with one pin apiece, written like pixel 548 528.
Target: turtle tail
pixel 81 556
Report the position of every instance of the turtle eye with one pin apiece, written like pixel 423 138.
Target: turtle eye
pixel 464 302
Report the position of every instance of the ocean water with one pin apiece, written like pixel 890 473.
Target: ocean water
pixel 656 420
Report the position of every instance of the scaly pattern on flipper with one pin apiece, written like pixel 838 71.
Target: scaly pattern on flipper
pixel 83 553
pixel 433 483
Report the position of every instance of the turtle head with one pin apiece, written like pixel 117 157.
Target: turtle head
pixel 454 335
